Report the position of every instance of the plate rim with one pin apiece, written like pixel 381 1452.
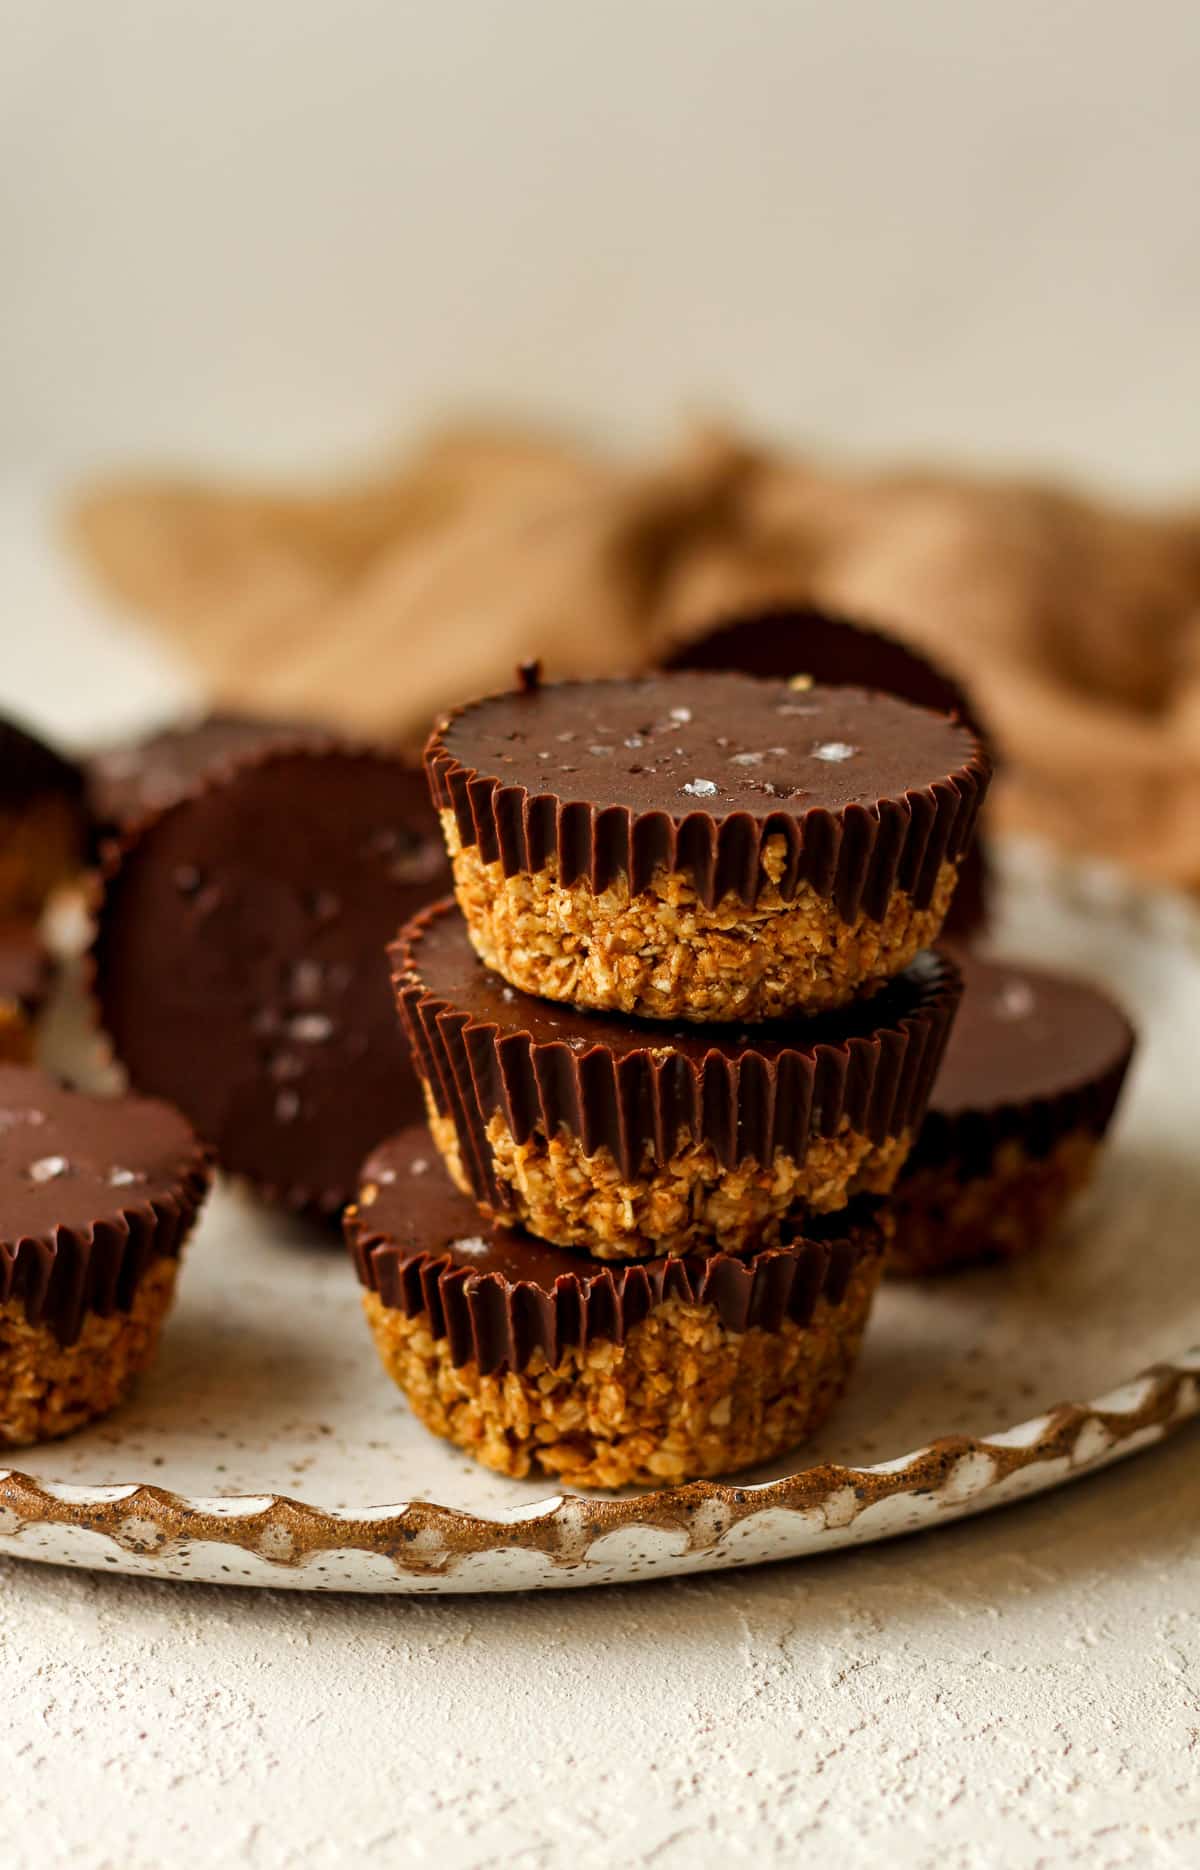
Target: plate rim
pixel 426 1537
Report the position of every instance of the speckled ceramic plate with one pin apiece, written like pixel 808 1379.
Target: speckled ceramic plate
pixel 267 1447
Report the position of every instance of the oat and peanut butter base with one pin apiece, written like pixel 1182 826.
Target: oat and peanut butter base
pixel 692 1203
pixel 682 1398
pixel 48 1388
pixel 946 1219
pixel 663 954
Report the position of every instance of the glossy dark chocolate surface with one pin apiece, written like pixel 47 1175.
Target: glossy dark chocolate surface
pixel 241 961
pixel 1032 1056
pixel 661 742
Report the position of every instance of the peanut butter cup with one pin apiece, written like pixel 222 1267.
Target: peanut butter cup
pixel 796 641
pixel 1026 1091
pixel 43 825
pixel 240 959
pixel 632 1138
pixel 703 846
pixel 528 1356
pixel 98 1198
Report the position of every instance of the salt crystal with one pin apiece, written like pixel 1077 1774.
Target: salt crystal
pixel 635 740
pixel 682 715
pixel 1015 1000
pixel 310 1028
pixel 418 1166
pixel 307 980
pixel 47 1168
pixel 121 1178
pixel 745 759
pixel 599 751
pixel 700 788
pixel 10 1119
pixel 834 750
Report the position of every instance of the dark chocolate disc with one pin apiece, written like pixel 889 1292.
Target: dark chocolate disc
pixel 695 772
pixel 1032 1055
pixel 497 1295
pixel 241 966
pixel 91 1191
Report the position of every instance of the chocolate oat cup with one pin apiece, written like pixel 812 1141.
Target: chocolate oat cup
pixel 240 959
pixel 97 1198
pixel 635 1138
pixel 1026 1092
pixel 704 847
pixel 530 1357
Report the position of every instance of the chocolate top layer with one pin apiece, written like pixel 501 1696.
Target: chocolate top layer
pixel 29 769
pixel 241 966
pixel 498 1294
pixel 1033 1057
pixel 715 743
pixel 1023 1033
pixel 25 969
pixel 437 951
pixel 70 1161
pixel 125 783
pixel 788 640
pixel 852 793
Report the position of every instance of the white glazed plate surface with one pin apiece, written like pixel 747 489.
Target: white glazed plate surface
pixel 267 1447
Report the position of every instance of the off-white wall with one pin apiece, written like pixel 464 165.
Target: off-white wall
pixel 281 231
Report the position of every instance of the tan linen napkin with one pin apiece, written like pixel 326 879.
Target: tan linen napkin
pixel 1075 623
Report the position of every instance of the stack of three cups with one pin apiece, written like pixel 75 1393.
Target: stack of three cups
pixel 675 1049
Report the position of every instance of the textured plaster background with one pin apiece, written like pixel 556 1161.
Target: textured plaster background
pixel 1022 1690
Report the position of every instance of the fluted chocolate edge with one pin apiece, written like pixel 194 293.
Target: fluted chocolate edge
pixel 746 1108
pixel 61 1276
pixel 966 1141
pixel 857 857
pixel 497 1323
